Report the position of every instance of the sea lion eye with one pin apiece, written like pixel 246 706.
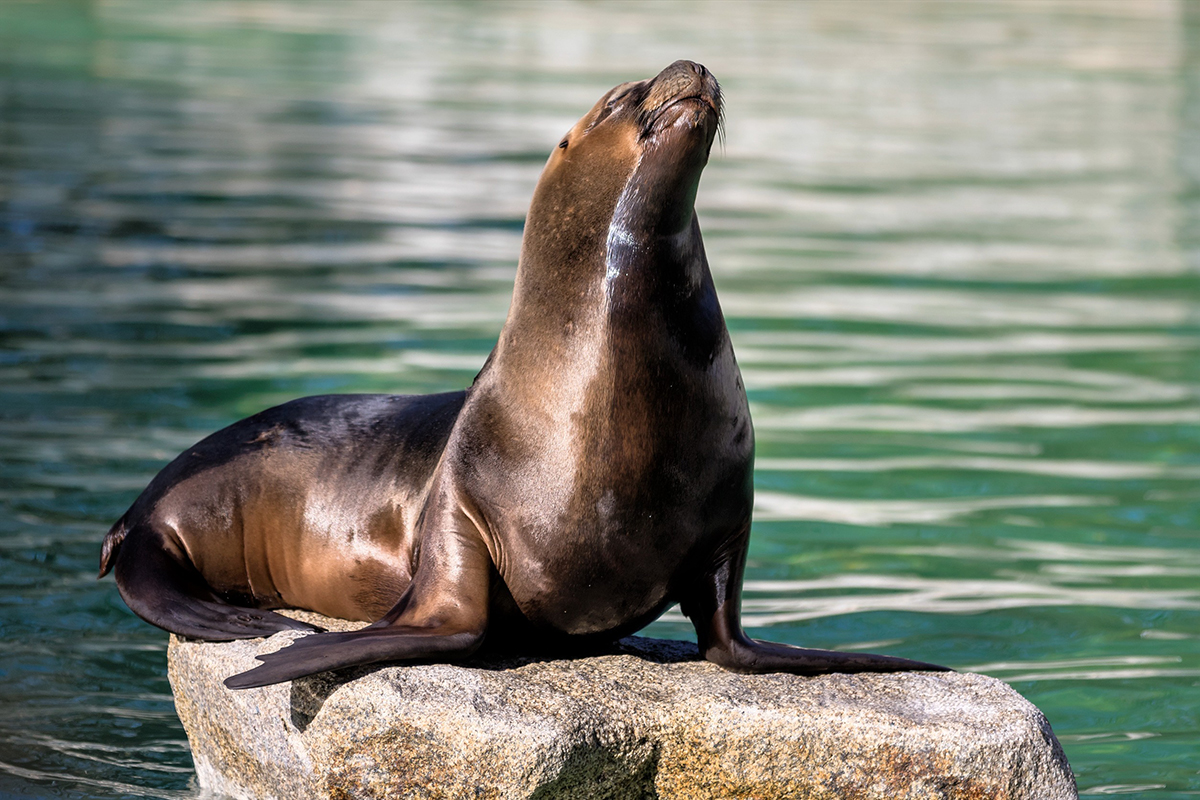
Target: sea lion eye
pixel 563 144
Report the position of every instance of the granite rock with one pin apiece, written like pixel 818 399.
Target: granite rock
pixel 647 720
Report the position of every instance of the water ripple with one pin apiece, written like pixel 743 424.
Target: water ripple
pixel 1032 549
pixel 890 417
pixel 949 308
pixel 113 788
pixel 855 511
pixel 1019 382
pixel 936 596
pixel 798 347
pixel 1093 470
pixel 1121 788
pixel 115 755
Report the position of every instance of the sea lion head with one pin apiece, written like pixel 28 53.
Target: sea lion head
pixel 631 164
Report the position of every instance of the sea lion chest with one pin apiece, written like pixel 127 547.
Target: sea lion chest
pixel 598 494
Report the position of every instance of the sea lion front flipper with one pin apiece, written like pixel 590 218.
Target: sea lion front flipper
pixel 714 606
pixel 160 585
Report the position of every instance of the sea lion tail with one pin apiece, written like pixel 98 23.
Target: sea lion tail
pixel 112 541
pixel 161 585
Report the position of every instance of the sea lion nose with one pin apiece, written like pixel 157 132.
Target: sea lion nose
pixel 682 70
pixel 680 79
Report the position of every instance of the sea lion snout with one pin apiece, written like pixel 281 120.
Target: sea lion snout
pixel 684 90
pixel 683 80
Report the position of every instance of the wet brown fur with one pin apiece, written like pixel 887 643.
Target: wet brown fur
pixel 597 471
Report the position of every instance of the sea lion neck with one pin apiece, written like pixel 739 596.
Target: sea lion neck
pixel 681 114
pixel 627 171
pixel 611 227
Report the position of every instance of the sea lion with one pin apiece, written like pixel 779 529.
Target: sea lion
pixel 597 471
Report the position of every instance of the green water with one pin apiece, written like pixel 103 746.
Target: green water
pixel 957 245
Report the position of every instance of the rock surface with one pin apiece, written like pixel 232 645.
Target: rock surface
pixel 649 720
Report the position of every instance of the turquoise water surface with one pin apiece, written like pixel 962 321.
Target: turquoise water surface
pixel 957 245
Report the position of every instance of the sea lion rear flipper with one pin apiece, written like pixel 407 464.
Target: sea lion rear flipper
pixel 714 606
pixel 163 588
pixel 442 615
